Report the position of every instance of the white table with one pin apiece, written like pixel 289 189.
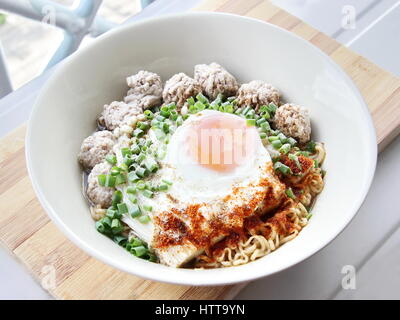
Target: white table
pixel 370 243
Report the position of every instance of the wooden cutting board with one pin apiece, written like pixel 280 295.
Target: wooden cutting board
pixel 69 273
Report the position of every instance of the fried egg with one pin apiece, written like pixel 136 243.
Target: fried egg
pixel 220 174
pixel 211 153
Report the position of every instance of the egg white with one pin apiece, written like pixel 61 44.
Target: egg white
pixel 194 183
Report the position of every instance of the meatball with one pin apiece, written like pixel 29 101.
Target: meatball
pixel 257 93
pixel 95 147
pixel 100 196
pixel 119 113
pixel 214 79
pixel 293 121
pixel 179 88
pixel 146 89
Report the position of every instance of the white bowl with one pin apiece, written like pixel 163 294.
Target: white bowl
pixel 67 108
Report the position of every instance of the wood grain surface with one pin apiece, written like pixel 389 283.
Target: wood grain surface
pixel 69 273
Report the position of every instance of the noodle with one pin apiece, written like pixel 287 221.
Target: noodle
pixel 268 236
pixel 319 153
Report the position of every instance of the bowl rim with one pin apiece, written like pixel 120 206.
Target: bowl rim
pixel 202 277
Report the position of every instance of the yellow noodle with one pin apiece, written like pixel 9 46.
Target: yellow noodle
pixel 320 153
pixel 257 246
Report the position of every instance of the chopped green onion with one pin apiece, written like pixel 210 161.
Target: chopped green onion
pixel 250 122
pixel 136 242
pixel 250 114
pixel 266 115
pixel 123 167
pixel 272 107
pixel 142 125
pixel 138 132
pixel 310 146
pixel 113 214
pixel 111 158
pixel 292 141
pixel 193 109
pixel 152 257
pixel 282 168
pixel 265 126
pixel 120 240
pixel 171 106
pixel 140 158
pixel 165 127
pixel 126 151
pixel 135 149
pixel 115 171
pixel 106 221
pixel 135 211
pixel 190 101
pixel 139 251
pixel 163 187
pixel 120 179
pixel 131 190
pixel 239 111
pixel 149 115
pixel 147 207
pixel 101 178
pixel 263 135
pixel 303 153
pixel 218 99
pixel 285 148
pixel 151 164
pixel 155 123
pixel 200 105
pixel 140 185
pixel 148 186
pixel 167 182
pixel 276 144
pixel 117 197
pixel 272 138
pixel 309 216
pixel 122 208
pixel 141 172
pixel 316 165
pixel 160 118
pixel 260 121
pixel 100 226
pixel 147 193
pixel 127 162
pixel 144 219
pixel 179 121
pixel 132 198
pixel 290 194
pixel 174 115
pixel 246 109
pixel 200 97
pixel 282 137
pixel 132 177
pixel 116 226
pixel 296 160
pixel 228 108
pixel 110 181
pixel 165 113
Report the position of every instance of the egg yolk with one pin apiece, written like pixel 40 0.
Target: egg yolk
pixel 221 142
